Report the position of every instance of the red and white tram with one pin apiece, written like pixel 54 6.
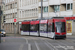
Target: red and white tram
pixel 54 27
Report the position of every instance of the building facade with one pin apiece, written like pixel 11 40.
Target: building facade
pixel 31 9
pixel 10 12
pixel 0 1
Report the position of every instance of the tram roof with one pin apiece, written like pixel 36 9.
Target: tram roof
pixel 34 22
pixel 26 22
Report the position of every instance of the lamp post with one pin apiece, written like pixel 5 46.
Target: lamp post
pixel 41 14
pixel 1 13
pixel 0 28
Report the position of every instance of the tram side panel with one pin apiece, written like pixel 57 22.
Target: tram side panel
pixel 44 28
pixel 25 28
pixel 34 28
pixel 51 29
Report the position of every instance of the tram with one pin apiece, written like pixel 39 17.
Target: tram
pixel 34 27
pixel 25 28
pixel 52 28
pixel 57 28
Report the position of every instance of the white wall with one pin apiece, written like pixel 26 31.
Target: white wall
pixel 44 3
pixel 52 14
pixel 29 7
pixel 58 2
pixel 69 1
pixel 9 20
pixel 66 13
pixel 44 15
pixel 10 11
pixel 66 1
pixel 7 1
pixel 54 2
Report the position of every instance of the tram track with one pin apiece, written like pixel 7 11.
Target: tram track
pixel 51 44
pixel 37 46
pixel 66 44
pixel 60 44
pixel 29 45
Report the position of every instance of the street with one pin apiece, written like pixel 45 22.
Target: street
pixel 18 42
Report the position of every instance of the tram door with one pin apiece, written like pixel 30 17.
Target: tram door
pixel 51 29
pixel 44 28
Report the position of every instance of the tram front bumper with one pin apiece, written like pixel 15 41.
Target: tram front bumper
pixel 60 36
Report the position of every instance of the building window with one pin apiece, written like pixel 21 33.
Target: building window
pixel 69 6
pixel 11 6
pixel 45 9
pixel 16 15
pixel 56 8
pixel 15 5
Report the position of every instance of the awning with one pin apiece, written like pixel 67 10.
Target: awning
pixel 69 18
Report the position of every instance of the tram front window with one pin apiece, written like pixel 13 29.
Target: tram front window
pixel 60 27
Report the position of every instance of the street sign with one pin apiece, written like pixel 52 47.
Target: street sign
pixel 14 20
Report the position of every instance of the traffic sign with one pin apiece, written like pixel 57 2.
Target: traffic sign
pixel 14 20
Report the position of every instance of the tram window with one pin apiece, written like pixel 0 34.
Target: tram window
pixel 43 27
pixel 34 27
pixel 52 27
pixel 25 27
pixel 63 27
pixel 21 27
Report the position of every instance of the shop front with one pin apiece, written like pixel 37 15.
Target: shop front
pixel 70 25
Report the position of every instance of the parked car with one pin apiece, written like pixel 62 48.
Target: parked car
pixel 3 33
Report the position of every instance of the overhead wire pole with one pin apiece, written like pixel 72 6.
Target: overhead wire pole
pixel 41 14
pixel 41 9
